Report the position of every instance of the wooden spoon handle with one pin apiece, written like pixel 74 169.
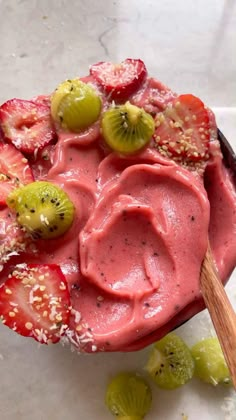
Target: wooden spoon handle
pixel 220 310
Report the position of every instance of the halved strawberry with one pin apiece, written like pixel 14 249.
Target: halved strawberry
pixel 27 124
pixel 35 302
pixel 119 80
pixel 14 170
pixel 183 129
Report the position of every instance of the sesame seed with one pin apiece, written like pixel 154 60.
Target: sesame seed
pixel 37 299
pixel 42 288
pixel 41 277
pixel 25 281
pixel 62 286
pixel 28 325
pixel 78 328
pixel 12 314
pixel 45 314
pixel 177 124
pixel 8 291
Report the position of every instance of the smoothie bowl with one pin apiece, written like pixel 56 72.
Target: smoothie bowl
pixel 109 190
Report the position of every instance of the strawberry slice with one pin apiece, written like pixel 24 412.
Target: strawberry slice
pixel 183 129
pixel 14 170
pixel 27 124
pixel 119 80
pixel 35 302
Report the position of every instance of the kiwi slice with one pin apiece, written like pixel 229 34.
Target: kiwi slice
pixel 128 396
pixel 42 208
pixel 127 128
pixel 170 363
pixel 210 365
pixel 75 105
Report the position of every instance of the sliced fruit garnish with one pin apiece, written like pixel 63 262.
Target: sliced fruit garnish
pixel 127 128
pixel 14 170
pixel 27 124
pixel 119 80
pixel 75 105
pixel 42 208
pixel 210 364
pixel 128 396
pixel 170 363
pixel 183 130
pixel 35 302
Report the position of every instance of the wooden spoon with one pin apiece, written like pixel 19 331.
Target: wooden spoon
pixel 214 295
pixel 220 310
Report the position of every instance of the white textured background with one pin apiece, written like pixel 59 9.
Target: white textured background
pixel 190 46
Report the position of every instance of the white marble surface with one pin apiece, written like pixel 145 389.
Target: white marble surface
pixel 189 46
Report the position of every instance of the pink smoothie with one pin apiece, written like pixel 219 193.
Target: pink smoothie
pixel 133 255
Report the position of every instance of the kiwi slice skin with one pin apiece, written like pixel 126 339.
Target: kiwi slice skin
pixel 127 128
pixel 42 208
pixel 75 105
pixel 210 364
pixel 128 396
pixel 170 364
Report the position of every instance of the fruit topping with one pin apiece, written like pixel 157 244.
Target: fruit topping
pixel 119 81
pixel 128 397
pixel 170 363
pixel 75 105
pixel 182 130
pixel 210 365
pixel 43 209
pixel 27 124
pixel 35 302
pixel 127 128
pixel 14 170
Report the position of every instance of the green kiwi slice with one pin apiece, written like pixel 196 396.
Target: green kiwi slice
pixel 75 105
pixel 127 128
pixel 42 208
pixel 210 365
pixel 128 396
pixel 170 363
